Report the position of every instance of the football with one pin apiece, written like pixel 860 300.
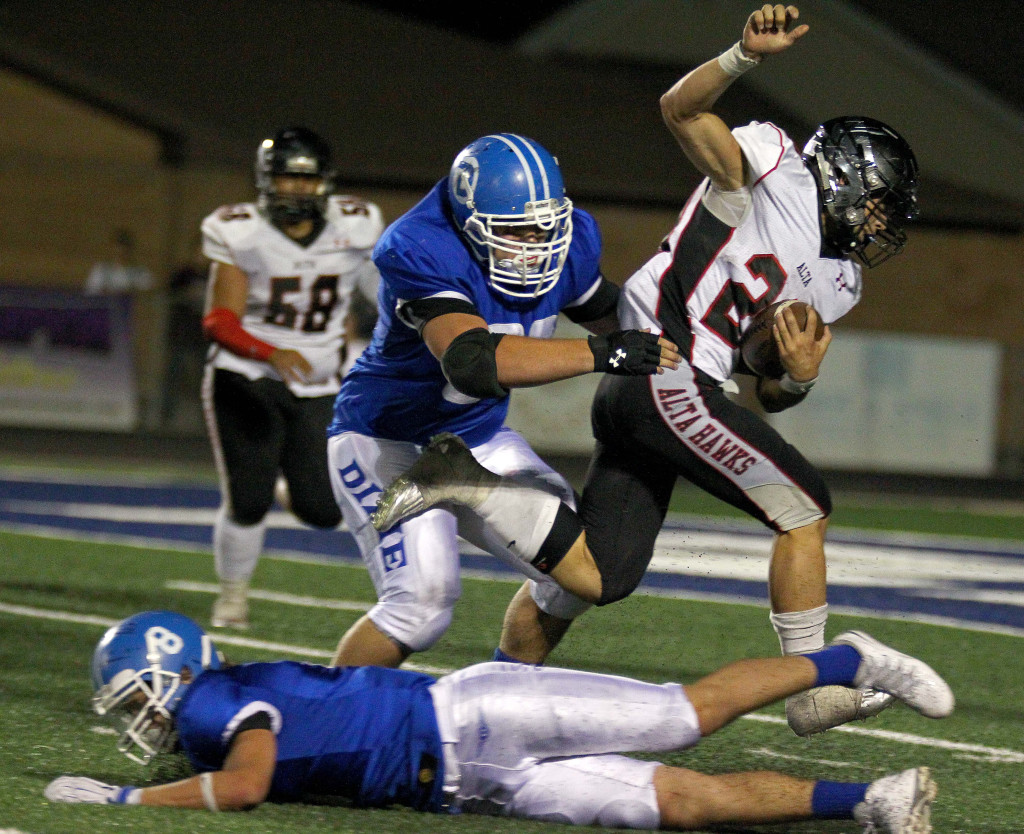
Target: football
pixel 757 345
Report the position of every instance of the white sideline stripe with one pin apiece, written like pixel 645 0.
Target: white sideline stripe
pixel 149 543
pixel 498 575
pixel 201 516
pixel 993 754
pixel 990 754
pixel 225 639
pixel 765 751
pixel 271 596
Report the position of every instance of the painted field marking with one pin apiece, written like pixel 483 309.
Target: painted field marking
pixel 220 639
pixel 766 751
pixel 272 596
pixel 974 751
pixel 959 748
pixel 500 573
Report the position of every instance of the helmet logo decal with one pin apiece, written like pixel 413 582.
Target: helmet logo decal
pixel 464 179
pixel 162 640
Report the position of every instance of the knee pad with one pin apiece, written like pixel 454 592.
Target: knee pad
pixel 416 626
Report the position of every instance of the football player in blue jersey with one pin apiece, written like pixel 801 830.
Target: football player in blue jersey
pixel 473 279
pixel 497 738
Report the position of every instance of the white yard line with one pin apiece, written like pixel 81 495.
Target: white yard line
pixel 272 596
pixel 989 754
pixel 973 751
pixel 501 574
pixel 773 754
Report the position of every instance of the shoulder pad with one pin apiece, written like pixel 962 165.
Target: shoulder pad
pixel 361 221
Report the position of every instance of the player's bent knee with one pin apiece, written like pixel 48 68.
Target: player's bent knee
pixel 414 627
pixel 813 530
pixel 681 795
pixel 617 582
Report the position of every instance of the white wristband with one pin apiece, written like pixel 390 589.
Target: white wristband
pixel 206 786
pixel 735 61
pixel 791 386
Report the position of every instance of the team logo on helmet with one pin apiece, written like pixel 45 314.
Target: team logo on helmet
pixel 463 179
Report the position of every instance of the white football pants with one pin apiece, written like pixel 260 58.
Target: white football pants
pixel 542 743
pixel 415 566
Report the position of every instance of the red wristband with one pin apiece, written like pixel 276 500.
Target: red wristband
pixel 224 327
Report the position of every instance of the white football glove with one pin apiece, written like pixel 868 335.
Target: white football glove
pixel 84 789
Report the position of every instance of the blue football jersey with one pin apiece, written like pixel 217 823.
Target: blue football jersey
pixel 366 734
pixel 396 389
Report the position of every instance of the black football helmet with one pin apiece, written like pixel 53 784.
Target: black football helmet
pixel 854 159
pixel 296 152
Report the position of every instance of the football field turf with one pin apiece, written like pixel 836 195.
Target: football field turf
pixel 57 595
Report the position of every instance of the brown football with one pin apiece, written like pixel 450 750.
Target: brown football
pixel 757 344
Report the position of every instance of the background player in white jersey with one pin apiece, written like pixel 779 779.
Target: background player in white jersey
pixel 766 224
pixel 500 739
pixel 283 274
pixel 473 279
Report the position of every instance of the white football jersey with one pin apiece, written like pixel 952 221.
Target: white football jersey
pixel 711 278
pixel 298 295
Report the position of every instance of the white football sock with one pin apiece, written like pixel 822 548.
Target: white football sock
pixel 236 549
pixel 801 632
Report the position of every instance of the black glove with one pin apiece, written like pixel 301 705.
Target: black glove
pixel 626 353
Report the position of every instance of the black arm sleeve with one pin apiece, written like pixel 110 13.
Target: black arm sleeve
pixel 419 311
pixel 604 301
pixel 256 721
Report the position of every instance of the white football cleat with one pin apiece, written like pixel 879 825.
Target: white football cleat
pixel 825 707
pixel 231 608
pixel 898 804
pixel 910 680
pixel 445 471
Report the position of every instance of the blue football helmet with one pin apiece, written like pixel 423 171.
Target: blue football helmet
pixel 137 677
pixel 506 184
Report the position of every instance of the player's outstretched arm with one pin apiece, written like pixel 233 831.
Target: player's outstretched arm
pixel 522 361
pixel 243 783
pixel 686 107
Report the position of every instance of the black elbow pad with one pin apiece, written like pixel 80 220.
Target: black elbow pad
pixel 470 365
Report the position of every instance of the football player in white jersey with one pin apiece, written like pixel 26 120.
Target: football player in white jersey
pixel 283 275
pixel 766 224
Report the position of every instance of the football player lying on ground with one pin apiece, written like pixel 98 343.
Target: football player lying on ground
pixel 496 738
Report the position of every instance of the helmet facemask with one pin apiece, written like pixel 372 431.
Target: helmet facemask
pixel 138 703
pixel 524 268
pixel 290 209
pixel 293 152
pixel 141 669
pixel 867 182
pixel 505 184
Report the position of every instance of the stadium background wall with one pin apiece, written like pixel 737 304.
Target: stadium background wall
pixel 71 174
